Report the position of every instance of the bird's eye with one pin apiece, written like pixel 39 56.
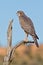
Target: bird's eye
pixel 20 13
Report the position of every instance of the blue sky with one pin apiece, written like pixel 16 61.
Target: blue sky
pixel 8 9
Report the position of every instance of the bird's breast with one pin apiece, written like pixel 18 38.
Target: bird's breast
pixel 22 22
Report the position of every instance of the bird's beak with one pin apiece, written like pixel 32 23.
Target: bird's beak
pixel 18 14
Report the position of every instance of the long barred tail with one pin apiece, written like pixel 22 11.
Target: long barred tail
pixel 35 41
pixel 36 36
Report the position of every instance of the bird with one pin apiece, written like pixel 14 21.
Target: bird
pixel 28 26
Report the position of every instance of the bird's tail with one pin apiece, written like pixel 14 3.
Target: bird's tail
pixel 36 36
pixel 35 41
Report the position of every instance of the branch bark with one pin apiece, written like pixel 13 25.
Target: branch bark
pixel 22 42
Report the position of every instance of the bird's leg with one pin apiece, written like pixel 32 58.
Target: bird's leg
pixel 26 38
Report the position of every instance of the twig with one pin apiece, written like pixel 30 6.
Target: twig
pixel 22 42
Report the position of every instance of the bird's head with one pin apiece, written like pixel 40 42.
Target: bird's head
pixel 20 13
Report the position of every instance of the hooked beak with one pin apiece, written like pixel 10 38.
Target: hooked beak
pixel 18 14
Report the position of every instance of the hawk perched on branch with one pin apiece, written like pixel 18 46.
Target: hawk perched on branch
pixel 28 27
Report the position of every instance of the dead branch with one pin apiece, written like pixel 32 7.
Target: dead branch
pixel 9 41
pixel 22 42
pixel 11 52
pixel 17 45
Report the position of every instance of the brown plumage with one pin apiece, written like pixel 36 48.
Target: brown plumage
pixel 27 26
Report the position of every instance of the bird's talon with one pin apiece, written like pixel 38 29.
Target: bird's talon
pixel 25 40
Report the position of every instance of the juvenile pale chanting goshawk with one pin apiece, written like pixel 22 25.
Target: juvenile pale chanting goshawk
pixel 27 25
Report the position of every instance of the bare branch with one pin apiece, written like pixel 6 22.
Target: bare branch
pixel 9 33
pixel 22 42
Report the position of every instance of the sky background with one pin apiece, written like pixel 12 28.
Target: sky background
pixel 8 9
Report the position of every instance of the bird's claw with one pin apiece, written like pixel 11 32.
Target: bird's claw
pixel 26 40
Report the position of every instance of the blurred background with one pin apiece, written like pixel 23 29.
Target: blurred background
pixel 24 55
